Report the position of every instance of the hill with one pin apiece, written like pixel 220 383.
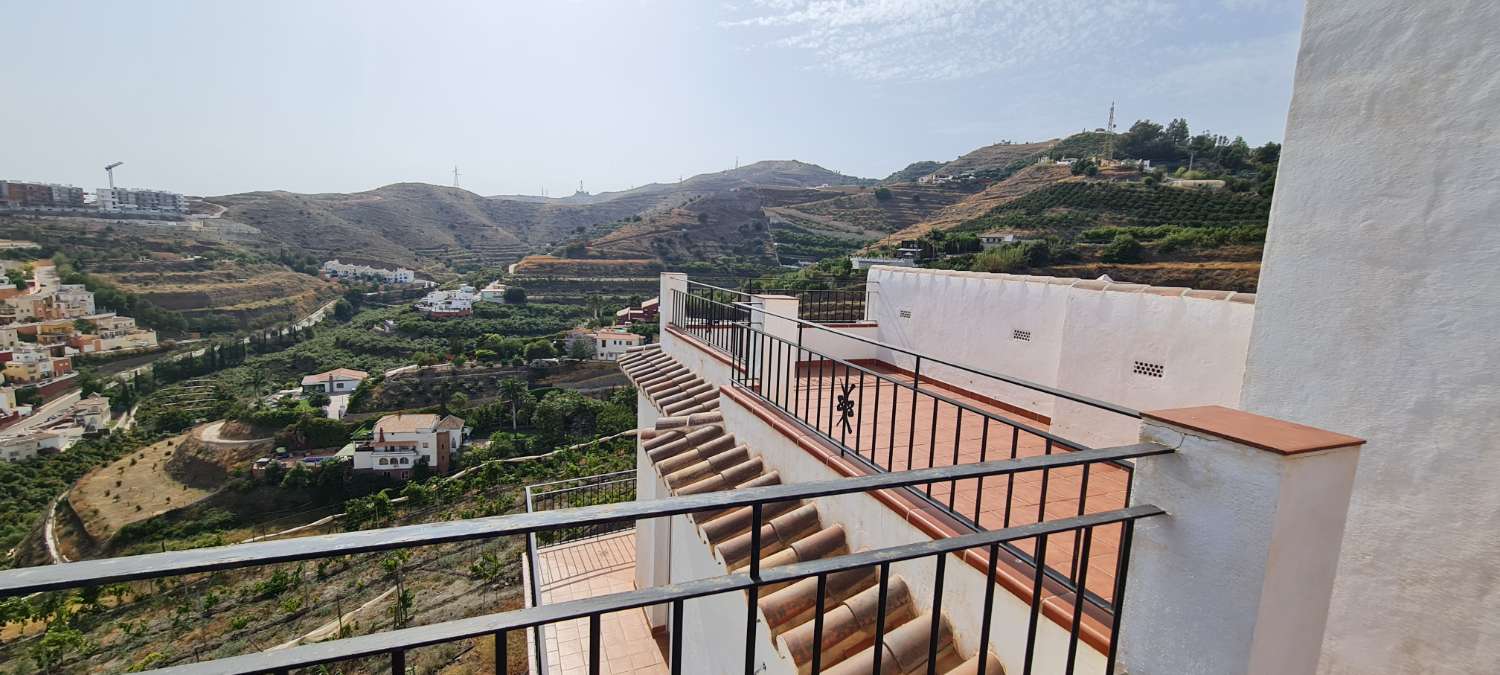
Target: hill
pixel 434 229
pixel 995 160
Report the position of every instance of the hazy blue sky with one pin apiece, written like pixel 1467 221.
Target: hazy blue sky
pixel 220 97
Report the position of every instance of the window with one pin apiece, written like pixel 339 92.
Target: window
pixel 384 461
pixel 424 444
pixel 1149 369
pixel 405 460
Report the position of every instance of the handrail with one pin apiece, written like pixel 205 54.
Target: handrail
pixel 717 288
pixel 175 563
pixel 1052 391
pixel 393 641
pixel 612 475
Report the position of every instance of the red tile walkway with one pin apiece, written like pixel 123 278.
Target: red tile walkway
pixel 587 568
pixel 937 433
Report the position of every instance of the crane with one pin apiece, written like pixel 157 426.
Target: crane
pixel 110 169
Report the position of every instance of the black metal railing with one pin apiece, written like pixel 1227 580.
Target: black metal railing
pixel 888 421
pixel 608 488
pixel 394 644
pixel 838 305
pixel 709 314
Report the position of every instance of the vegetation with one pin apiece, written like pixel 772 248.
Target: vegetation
pixel 28 487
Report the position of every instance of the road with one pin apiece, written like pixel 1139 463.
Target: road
pixel 210 434
pixel 49 532
pixel 46 413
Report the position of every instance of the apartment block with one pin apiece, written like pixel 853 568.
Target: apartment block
pixel 123 200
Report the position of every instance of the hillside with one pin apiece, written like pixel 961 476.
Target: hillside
pixel 974 206
pixel 995 159
pixel 436 229
pixel 203 283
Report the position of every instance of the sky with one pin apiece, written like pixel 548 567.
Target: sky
pixel 210 98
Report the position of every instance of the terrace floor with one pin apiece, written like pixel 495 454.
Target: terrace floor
pixel 932 432
pixel 587 568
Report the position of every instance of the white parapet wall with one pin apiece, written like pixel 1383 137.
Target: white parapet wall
pixel 1141 347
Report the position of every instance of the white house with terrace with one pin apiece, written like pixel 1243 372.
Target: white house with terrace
pixel 400 443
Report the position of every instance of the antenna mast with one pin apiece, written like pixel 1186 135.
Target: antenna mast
pixel 456 174
pixel 1109 152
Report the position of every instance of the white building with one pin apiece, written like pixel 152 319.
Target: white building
pixel 337 270
pixel 74 300
pixel 861 263
pixel 448 304
pixel 17 447
pixel 336 381
pixel 400 443
pixel 493 292
pixel 123 200
pixel 607 344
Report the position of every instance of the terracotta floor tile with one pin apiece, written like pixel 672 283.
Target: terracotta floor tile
pixel 919 442
pixel 587 568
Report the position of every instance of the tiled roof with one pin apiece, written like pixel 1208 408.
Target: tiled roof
pixel 694 453
pixel 341 373
pixel 403 424
pixel 670 386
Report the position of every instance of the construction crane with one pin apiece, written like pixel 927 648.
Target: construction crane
pixel 110 169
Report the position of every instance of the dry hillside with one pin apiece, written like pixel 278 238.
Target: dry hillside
pixel 994 157
pixel 1023 182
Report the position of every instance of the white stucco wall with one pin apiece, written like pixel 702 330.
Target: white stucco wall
pixel 1379 311
pixel 1084 337
pixel 870 524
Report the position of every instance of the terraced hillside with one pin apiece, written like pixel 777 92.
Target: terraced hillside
pixel 246 294
pixel 1025 181
pixel 831 226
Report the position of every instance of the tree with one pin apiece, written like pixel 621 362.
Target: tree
pixel 882 193
pixel 539 349
pixel 1085 167
pixel 343 310
pixel 513 390
pixel 581 348
pixel 53 648
pixel 317 399
pixel 1123 249
pixel 515 295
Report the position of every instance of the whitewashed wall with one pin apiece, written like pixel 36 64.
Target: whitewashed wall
pixel 1379 315
pixel 1085 337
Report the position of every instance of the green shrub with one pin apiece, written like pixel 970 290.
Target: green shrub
pixel 1003 259
pixel 1123 249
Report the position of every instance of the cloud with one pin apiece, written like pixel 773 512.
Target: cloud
pixel 950 39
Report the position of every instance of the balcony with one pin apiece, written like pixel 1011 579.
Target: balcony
pixel 802 505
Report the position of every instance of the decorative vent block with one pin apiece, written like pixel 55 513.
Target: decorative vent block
pixel 906 314
pixel 1149 369
pixel 1022 335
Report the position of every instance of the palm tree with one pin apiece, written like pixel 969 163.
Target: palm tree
pixel 596 304
pixel 513 389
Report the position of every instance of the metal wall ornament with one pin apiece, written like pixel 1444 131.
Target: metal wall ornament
pixel 845 405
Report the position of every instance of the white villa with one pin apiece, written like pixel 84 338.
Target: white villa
pixel 333 382
pixel 334 269
pixel 400 443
